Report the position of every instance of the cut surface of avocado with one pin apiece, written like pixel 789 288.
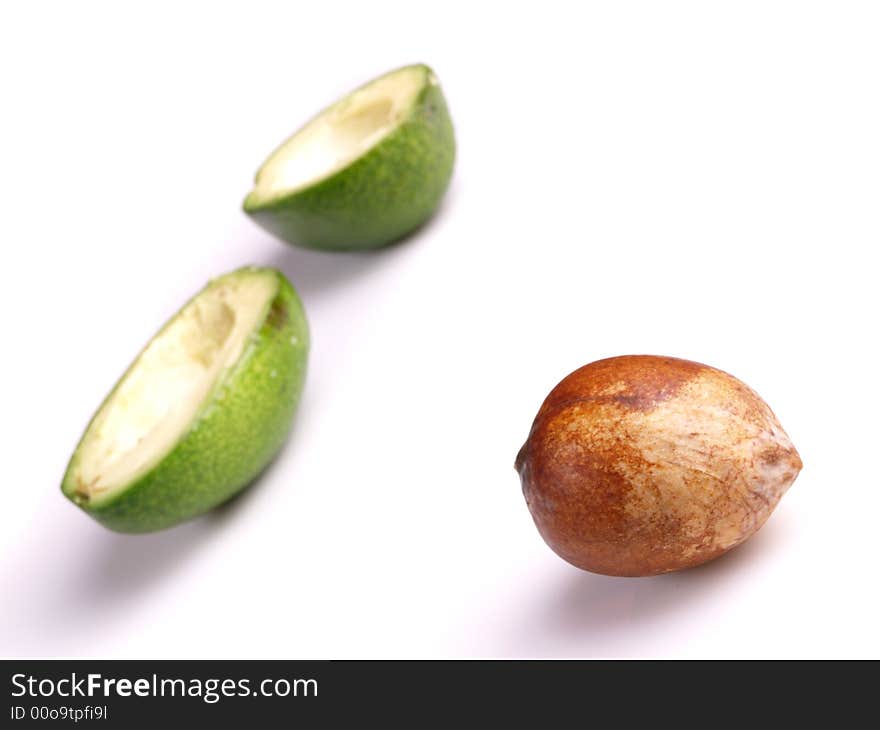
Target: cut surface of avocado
pixel 163 392
pixel 339 135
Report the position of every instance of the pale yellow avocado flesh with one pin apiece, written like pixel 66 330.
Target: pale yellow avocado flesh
pixel 338 135
pixel 158 399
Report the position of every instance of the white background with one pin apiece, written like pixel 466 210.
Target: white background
pixel 690 179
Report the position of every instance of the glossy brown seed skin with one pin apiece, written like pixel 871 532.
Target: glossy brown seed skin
pixel 639 465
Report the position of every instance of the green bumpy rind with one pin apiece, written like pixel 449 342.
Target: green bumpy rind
pixel 383 195
pixel 241 427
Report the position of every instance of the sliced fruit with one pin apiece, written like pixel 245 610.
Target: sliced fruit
pixel 363 173
pixel 201 411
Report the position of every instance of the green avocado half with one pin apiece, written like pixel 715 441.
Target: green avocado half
pixel 365 171
pixel 201 411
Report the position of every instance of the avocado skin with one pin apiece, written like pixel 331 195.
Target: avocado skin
pixel 382 196
pixel 243 424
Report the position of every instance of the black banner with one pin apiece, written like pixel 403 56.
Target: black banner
pixel 143 693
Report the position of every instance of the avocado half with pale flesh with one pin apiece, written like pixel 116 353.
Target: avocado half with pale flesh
pixel 201 411
pixel 363 173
